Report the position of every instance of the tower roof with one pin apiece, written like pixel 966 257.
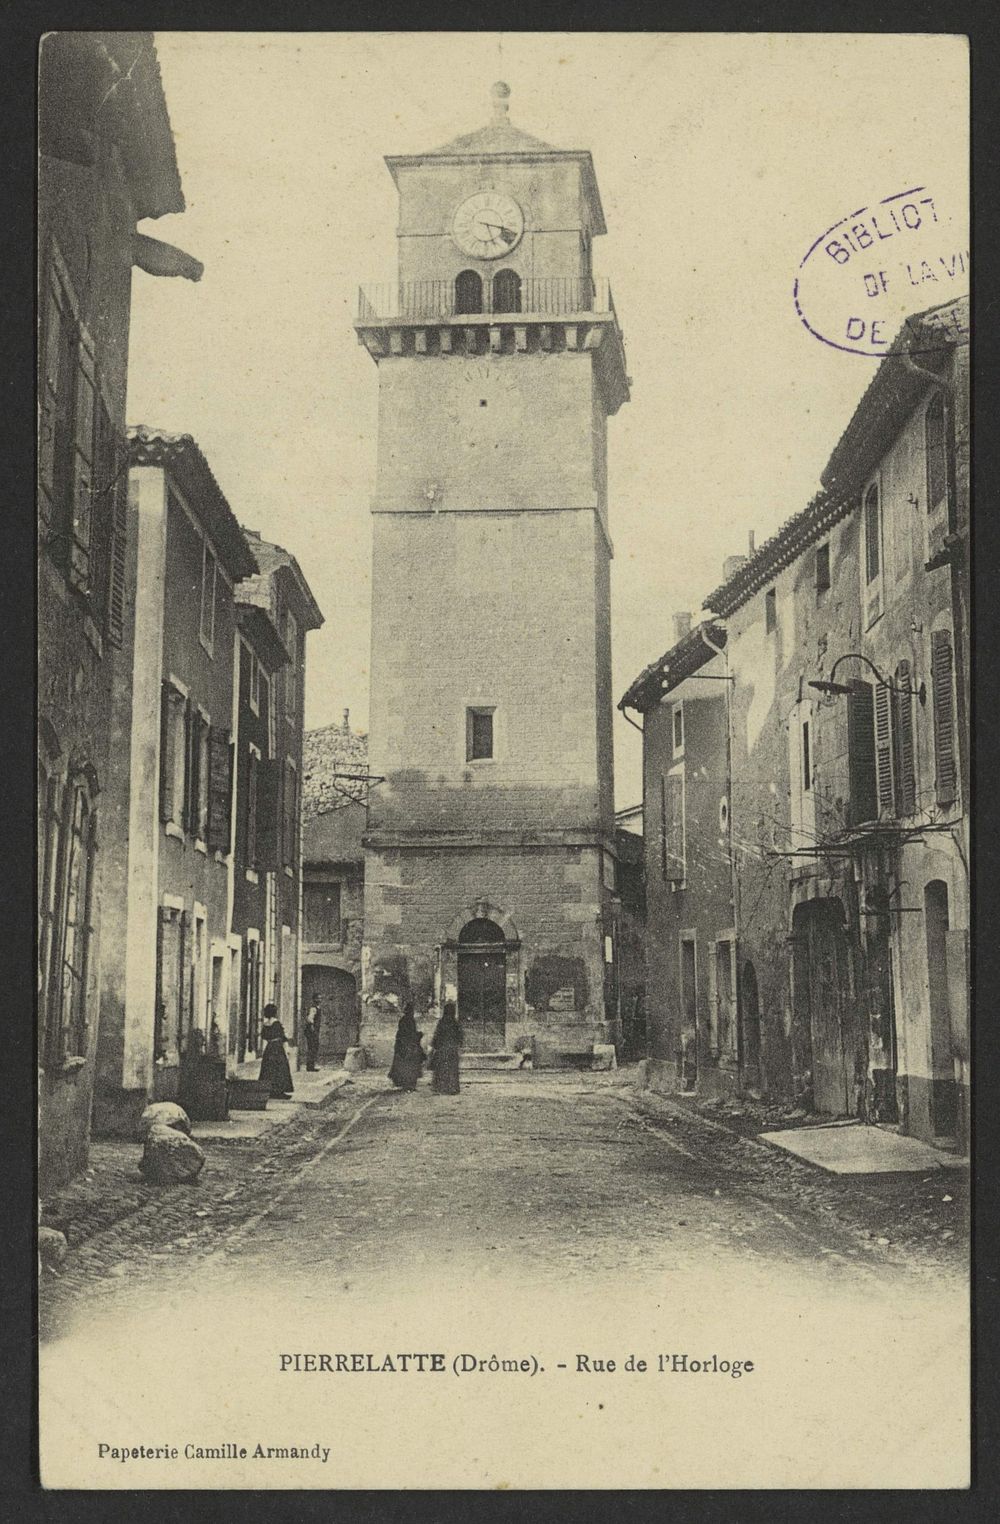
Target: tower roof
pixel 499 135
pixel 500 139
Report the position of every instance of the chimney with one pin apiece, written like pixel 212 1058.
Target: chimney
pixel 731 566
pixel 751 550
pixel 682 626
pixel 347 719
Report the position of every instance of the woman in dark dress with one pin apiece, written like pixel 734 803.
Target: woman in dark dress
pixel 408 1055
pixel 274 1070
pixel 444 1051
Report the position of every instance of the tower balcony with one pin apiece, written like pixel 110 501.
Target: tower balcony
pixel 443 317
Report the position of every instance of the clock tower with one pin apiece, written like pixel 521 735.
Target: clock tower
pixel 490 853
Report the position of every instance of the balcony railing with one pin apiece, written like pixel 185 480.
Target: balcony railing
pixel 435 300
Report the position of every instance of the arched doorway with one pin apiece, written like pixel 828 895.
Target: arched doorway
pixel 468 292
pixel 506 291
pixel 337 994
pixel 482 985
pixel 749 1030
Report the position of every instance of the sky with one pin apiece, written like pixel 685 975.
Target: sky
pixel 721 159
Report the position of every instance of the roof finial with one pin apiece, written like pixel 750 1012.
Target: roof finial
pixel 500 94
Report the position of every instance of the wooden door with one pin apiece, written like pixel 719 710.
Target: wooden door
pixel 482 997
pixel 829 985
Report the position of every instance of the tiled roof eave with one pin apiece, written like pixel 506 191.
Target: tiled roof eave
pixel 779 552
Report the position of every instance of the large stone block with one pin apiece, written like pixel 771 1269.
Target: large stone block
pixel 170 1157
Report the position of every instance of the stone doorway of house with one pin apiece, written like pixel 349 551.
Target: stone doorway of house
pixel 749 1031
pixel 337 992
pixel 482 986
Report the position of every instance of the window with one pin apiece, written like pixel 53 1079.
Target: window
pixel 806 760
pixel 822 568
pixel 254 683
pixel 81 459
pixel 872 529
pixel 253 770
pixel 942 662
pixel 174 745
pixel 902 742
pixel 468 292
pixel 770 610
pixel 672 842
pixel 506 291
pixel 200 776
pixel 290 815
pixel 209 572
pixel 321 913
pixel 873 534
pixel 478 735
pixel 678 720
pixel 936 449
pixel 292 670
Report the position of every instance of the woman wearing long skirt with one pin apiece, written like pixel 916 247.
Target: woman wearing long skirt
pixel 445 1045
pixel 274 1070
pixel 408 1055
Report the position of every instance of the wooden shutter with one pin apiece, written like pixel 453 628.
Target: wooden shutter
pixel 944 715
pixel 905 770
pixel 48 402
pixel 269 815
pixel 673 799
pixel 220 789
pixel 168 756
pixel 863 803
pixel 83 465
pixel 119 534
pixel 883 748
pixel 289 814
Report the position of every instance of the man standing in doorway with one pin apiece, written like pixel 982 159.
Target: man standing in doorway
pixel 313 1018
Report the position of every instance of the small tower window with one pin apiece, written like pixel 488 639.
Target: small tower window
pixel 468 292
pixel 506 291
pixel 478 735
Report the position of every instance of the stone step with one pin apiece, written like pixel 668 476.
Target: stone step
pixel 492 1061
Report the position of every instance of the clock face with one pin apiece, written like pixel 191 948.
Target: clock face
pixel 488 224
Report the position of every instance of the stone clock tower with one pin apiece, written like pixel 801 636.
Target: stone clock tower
pixel 490 856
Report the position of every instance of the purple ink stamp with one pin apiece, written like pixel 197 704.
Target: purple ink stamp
pixel 860 281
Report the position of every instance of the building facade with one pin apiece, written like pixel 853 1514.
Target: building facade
pixel 693 1042
pixel 106 162
pixel 845 719
pixel 260 654
pixel 283 593
pixel 334 817
pixel 490 850
pixel 168 876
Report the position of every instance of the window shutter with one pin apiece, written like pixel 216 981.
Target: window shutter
pixel 674 822
pixel 168 758
pixel 269 815
pixel 48 402
pixel 863 803
pixel 220 784
pixel 906 781
pixel 289 813
pixel 83 465
pixel 119 533
pixel 883 747
pixel 944 715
